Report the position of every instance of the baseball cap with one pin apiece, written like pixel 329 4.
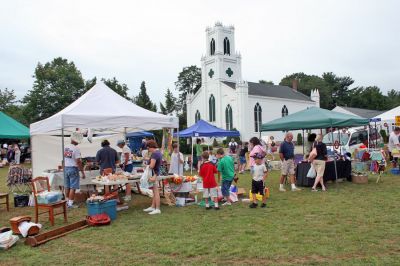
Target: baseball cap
pixel 121 141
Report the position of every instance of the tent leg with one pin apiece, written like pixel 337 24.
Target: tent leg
pixel 334 160
pixel 191 165
pixel 303 142
pixel 62 151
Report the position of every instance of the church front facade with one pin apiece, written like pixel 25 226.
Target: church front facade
pixel 227 101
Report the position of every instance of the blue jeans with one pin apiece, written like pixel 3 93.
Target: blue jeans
pixel 226 187
pixel 71 179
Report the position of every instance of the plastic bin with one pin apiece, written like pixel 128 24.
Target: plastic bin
pixel 395 171
pixel 109 207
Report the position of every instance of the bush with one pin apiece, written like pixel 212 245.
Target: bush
pixel 299 139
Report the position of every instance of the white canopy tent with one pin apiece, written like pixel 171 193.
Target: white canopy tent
pixel 389 116
pixel 100 109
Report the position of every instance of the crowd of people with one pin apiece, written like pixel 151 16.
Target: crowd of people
pixel 216 169
pixel 11 153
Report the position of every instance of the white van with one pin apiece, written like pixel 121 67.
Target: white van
pixel 353 138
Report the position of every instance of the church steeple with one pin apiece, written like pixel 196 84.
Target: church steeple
pixel 221 62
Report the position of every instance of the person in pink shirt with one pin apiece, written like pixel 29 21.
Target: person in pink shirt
pixel 256 149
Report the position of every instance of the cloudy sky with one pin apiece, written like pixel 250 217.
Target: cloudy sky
pixel 153 40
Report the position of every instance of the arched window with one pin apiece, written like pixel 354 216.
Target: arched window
pixel 212 47
pixel 197 116
pixel 228 117
pixel 257 117
pixel 227 46
pixel 285 111
pixel 211 108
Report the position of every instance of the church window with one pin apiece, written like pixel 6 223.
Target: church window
pixel 257 117
pixel 227 46
pixel 211 106
pixel 229 72
pixel 228 117
pixel 285 111
pixel 197 116
pixel 212 46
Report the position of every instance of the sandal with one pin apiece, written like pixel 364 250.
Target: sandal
pixel 314 190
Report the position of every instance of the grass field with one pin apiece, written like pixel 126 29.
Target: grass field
pixel 348 225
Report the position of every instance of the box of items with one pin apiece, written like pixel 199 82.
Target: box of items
pixel 49 197
pixel 109 207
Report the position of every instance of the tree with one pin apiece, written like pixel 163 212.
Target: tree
pixel 57 84
pixel 339 89
pixel 368 98
pixel 121 89
pixel 143 99
pixel 7 99
pixel 189 81
pixel 170 103
pixel 261 81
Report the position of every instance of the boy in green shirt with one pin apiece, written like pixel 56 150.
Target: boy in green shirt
pixel 226 168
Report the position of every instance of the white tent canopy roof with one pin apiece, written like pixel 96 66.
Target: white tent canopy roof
pixel 103 110
pixel 389 115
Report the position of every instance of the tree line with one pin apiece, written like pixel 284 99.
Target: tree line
pixel 59 83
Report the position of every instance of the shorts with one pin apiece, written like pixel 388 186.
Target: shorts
pixel 128 168
pixel 242 159
pixel 257 187
pixel 319 166
pixel 210 192
pixel 288 167
pixel 226 187
pixel 71 179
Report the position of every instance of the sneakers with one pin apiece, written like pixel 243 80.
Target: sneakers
pixel 281 189
pixel 296 189
pixel 263 205
pixel 216 208
pixel 208 208
pixel 314 190
pixel 149 209
pixel 156 211
pixel 227 203
pixel 73 206
pixel 127 198
pixel 253 205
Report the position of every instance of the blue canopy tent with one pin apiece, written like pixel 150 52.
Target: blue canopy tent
pixel 204 129
pixel 135 139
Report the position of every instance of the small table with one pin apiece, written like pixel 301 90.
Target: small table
pixel 120 184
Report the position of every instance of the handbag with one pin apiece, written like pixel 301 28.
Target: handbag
pixel 311 172
pixel 98 219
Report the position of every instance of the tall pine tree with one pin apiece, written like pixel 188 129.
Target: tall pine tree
pixel 143 99
pixel 170 103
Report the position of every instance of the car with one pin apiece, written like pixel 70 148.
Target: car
pixel 352 139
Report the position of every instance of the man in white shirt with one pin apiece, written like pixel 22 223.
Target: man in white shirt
pixel 126 165
pixel 73 163
pixel 394 143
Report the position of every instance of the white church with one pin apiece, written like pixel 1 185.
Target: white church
pixel 227 101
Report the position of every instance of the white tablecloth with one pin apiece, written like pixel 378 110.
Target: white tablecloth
pixel 56 179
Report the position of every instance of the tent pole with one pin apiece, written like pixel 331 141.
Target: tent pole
pixel 303 142
pixel 334 159
pixel 191 165
pixel 62 150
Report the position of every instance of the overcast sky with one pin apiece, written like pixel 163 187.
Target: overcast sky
pixel 153 40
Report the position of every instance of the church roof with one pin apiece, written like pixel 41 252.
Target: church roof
pixel 276 91
pixel 366 113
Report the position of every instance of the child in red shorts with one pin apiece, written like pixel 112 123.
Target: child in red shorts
pixel 207 172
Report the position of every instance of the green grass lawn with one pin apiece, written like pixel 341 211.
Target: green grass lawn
pixel 350 224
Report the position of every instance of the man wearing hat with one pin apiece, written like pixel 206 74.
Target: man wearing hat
pixel 73 163
pixel 126 164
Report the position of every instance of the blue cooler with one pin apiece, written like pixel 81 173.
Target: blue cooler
pixel 109 207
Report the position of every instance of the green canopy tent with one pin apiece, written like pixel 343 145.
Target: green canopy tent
pixel 12 129
pixel 314 118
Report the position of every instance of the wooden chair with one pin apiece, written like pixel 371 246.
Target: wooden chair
pixel 40 184
pixel 7 203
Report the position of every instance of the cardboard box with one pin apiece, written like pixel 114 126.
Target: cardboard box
pixel 80 197
pixel 359 179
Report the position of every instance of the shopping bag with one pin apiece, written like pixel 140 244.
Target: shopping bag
pixel 144 179
pixel 311 173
